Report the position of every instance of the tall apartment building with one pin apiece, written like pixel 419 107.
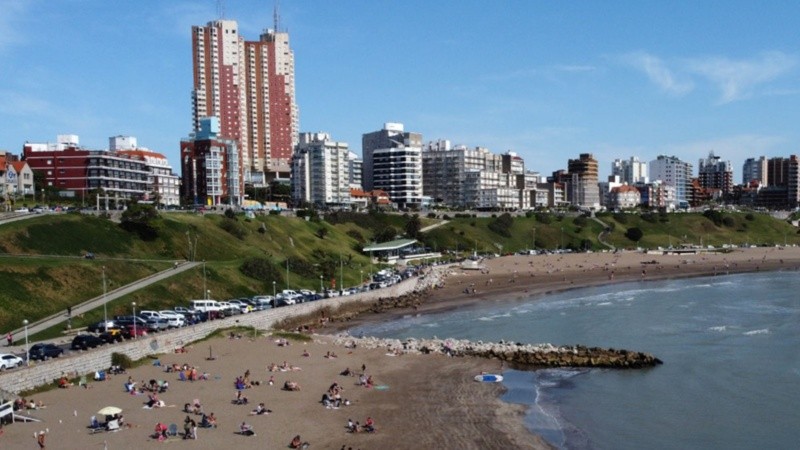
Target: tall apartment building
pixel 393 163
pixel 249 86
pixel 714 173
pixel 320 171
pixel 210 169
pixel 674 172
pixel 754 169
pixel 783 175
pixel 583 189
pixel 631 171
pixel 445 169
pixel 355 169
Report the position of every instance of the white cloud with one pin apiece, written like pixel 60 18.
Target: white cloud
pixel 737 79
pixel 658 73
pixel 574 68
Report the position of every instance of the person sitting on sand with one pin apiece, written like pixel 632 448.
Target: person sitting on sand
pixel 298 443
pixel 161 431
pixel 208 421
pixel 369 425
pixel 272 367
pixel 260 410
pixel 240 399
pixel 291 386
pixel 63 382
pixel 246 429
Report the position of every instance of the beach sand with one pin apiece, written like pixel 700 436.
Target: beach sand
pixel 423 401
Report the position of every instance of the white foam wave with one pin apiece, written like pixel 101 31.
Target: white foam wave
pixel 604 304
pixel 754 332
pixel 719 328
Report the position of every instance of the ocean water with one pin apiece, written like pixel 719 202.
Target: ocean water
pixel 730 346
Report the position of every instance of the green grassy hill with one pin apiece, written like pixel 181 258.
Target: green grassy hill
pixel 43 270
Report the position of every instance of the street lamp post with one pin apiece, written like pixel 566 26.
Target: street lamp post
pixel 362 276
pixel 105 311
pixel 287 273
pixel 204 280
pixel 27 350
pixel 320 284
pixel 208 294
pixel 273 289
pixel 134 319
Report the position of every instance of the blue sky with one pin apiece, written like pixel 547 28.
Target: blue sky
pixel 548 80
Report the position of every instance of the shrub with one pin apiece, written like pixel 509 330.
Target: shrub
pixel 262 228
pixel 728 221
pixel 355 234
pixel 322 232
pixel 502 225
pixel 431 215
pixel 260 269
pixel 580 221
pixel 714 216
pixel 750 217
pixel 122 360
pixel 635 234
pixel 544 218
pixel 230 214
pixel 235 228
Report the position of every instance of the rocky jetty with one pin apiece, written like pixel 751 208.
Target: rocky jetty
pixel 534 355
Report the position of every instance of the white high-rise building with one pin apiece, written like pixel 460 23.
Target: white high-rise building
pixel 673 172
pixel 755 169
pixel 320 171
pixel 393 163
pixel 631 171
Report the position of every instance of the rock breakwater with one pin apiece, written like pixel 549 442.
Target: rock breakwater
pixel 534 355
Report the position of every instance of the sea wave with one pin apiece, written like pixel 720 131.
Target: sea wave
pixel 754 332
pixel 718 328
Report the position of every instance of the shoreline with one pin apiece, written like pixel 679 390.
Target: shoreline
pixel 431 393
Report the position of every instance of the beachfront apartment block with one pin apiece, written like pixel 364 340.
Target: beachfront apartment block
pixel 123 172
pixel 321 172
pixel 393 163
pixel 249 87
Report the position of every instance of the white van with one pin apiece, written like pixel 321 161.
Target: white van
pixel 205 306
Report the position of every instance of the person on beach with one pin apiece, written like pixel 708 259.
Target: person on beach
pixel 246 429
pixel 10 339
pixel 298 443
pixel 40 440
pixel 260 410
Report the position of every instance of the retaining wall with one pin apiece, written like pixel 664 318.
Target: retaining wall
pixel 84 363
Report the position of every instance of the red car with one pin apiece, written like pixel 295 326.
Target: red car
pixel 127 331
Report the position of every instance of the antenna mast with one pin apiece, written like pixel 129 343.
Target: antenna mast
pixel 275 16
pixel 221 9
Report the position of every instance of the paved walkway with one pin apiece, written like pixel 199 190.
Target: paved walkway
pixel 57 319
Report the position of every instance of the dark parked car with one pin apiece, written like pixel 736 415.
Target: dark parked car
pixel 45 351
pixel 86 341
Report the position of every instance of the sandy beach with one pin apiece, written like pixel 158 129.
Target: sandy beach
pixel 417 401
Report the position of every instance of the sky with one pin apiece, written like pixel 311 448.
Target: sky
pixel 547 80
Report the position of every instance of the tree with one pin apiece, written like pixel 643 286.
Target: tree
pixel 635 234
pixel 413 226
pixel 139 218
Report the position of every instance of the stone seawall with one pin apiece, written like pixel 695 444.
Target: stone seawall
pixel 77 363
pixel 535 355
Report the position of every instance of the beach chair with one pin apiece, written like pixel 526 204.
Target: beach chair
pixel 172 430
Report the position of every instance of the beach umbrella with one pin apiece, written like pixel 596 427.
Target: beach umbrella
pixel 109 411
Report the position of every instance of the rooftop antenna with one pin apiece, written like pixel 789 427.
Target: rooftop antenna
pixel 275 16
pixel 221 9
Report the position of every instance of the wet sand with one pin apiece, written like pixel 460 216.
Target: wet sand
pixel 424 401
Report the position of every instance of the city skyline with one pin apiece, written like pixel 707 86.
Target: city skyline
pixel 546 81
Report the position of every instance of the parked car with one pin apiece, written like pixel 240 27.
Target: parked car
pixel 229 309
pixel 174 319
pixel 148 314
pixel 124 321
pixel 8 361
pixel 45 351
pixel 262 302
pixel 128 332
pixel 155 324
pixel 86 341
pixel 99 327
pixel 244 307
pixel 111 336
pixel 183 310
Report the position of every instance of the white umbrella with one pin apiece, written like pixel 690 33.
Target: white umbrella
pixel 109 411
